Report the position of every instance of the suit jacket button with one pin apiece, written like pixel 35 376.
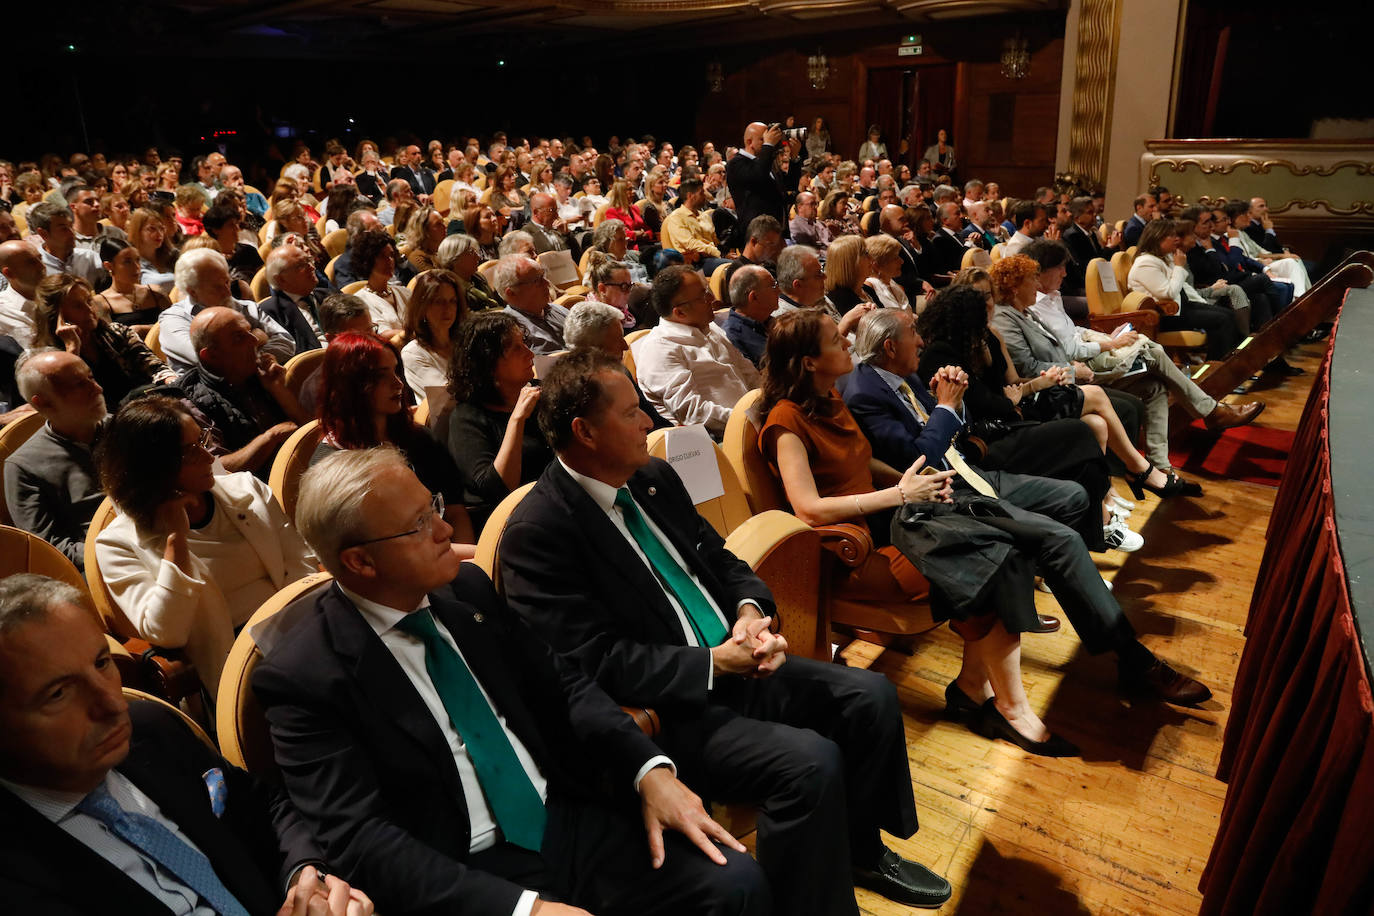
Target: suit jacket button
pixel 478 617
pixel 653 491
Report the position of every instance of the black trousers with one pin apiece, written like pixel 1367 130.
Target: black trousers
pixel 1215 320
pixel 821 749
pixel 597 858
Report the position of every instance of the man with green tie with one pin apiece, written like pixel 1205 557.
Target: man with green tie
pixel 608 560
pixel 441 750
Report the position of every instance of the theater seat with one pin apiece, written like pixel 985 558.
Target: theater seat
pixel 1108 308
pixel 293 458
pixel 300 367
pixel 335 242
pixel 13 435
pixel 154 341
pixel 848 545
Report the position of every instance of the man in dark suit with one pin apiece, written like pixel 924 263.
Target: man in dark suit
pixel 444 754
pixel 411 168
pixel 608 559
pixel 295 300
pixel 1146 209
pixel 947 248
pixel 754 186
pixel 113 807
pixel 903 421
pixel 892 221
pixel 1084 244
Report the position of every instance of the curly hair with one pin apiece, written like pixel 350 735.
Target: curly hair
pixel 369 247
pixel 958 316
pixel 791 338
pixel 1008 274
pixel 479 346
pixel 351 364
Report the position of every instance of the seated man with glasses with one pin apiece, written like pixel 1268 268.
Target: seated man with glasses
pixel 544 226
pixel 520 281
pixel 687 367
pixel 438 747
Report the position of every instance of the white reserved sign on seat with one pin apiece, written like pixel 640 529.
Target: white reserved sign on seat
pixel 692 454
pixel 1107 276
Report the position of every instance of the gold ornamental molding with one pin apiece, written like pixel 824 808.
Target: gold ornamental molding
pixel 1258 167
pixel 1099 36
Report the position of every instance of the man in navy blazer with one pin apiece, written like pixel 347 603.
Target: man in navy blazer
pixel 295 300
pixel 365 734
pixel 889 347
pixel 412 169
pixel 71 744
pixel 608 559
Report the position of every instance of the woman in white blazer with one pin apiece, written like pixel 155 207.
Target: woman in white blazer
pixel 1160 271
pixel 191 554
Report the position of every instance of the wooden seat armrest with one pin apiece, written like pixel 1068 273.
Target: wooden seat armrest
pixel 1146 322
pixel 166 672
pixel 645 718
pixel 851 543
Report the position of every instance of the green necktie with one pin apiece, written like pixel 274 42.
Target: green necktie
pixel 516 803
pixel 705 622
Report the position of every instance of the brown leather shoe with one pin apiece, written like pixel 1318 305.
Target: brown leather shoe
pixel 1047 624
pixel 1227 417
pixel 1163 682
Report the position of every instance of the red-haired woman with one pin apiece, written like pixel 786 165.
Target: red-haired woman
pixel 362 406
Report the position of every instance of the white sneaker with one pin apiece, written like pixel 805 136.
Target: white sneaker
pixel 1119 514
pixel 1119 537
pixel 1125 504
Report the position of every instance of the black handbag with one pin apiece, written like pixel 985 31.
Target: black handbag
pixel 1058 402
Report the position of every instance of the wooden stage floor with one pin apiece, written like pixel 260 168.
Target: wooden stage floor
pixel 1127 827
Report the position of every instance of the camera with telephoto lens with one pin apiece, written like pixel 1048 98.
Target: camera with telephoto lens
pixel 791 133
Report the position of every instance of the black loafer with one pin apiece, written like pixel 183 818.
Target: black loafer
pixel 960 707
pixel 903 881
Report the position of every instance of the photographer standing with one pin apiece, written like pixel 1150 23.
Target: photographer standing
pixel 753 184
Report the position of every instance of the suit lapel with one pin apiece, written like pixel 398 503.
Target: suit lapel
pixel 384 684
pixel 46 857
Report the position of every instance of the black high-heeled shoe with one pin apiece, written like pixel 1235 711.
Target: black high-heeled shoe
pixel 1173 484
pixel 992 724
pixel 960 707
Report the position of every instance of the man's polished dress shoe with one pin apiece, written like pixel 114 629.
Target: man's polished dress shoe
pixel 1161 681
pixel 1047 624
pixel 1224 416
pixel 903 881
pixel 1281 366
pixel 994 725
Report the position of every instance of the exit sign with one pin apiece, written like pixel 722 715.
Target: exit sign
pixel 910 46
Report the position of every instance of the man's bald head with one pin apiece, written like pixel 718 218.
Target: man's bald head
pixel 892 219
pixel 753 137
pixel 21 265
pixel 225 344
pixel 207 325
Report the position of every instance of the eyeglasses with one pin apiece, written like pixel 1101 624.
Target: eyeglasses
pixel 704 295
pixel 425 524
pixel 206 440
pixel 539 279
pixel 623 287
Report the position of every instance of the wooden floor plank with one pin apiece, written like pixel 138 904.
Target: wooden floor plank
pixel 1126 828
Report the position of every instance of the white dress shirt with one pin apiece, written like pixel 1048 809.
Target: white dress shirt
pixel 1014 244
pixel 18 316
pixel 690 376
pixel 409 652
pixel 60 808
pixel 82 262
pixel 1049 308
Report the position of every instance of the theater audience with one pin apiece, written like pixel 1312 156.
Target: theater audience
pixel 687 367
pixel 118 359
pixel 521 282
pixel 691 633
pixel 203 275
pixel 1034 348
pixel 484 225
pixel 491 432
pixel 1146 211
pixel 1160 270
pixel 620 206
pixel 534 743
pixel 686 231
pixel 847 266
pixel 246 399
pixel 885 260
pixel 436 309
pixel 51 486
pixel 119 784
pixel 1031 221
pixel 22 267
pixel 85 206
pixel 545 227
pixel 191 554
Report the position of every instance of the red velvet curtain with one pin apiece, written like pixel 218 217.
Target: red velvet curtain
pixel 1295 833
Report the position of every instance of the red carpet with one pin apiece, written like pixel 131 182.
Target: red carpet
pixel 1254 454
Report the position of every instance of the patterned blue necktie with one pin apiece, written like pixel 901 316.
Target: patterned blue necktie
pixel 163 846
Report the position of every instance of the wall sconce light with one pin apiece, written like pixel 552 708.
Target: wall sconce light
pixel 818 70
pixel 1015 58
pixel 715 76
